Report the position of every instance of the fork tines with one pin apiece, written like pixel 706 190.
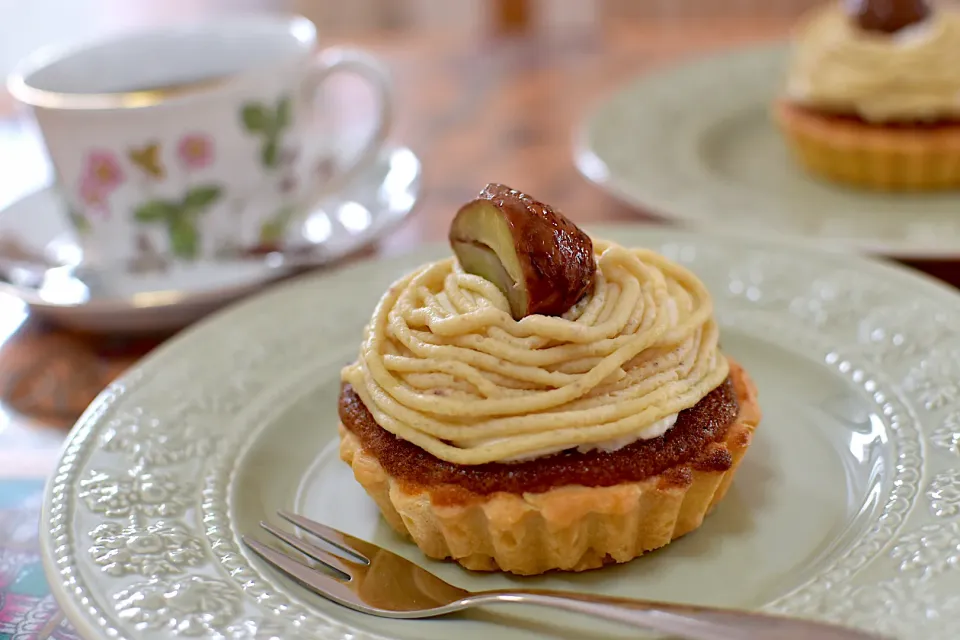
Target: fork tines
pixel 352 557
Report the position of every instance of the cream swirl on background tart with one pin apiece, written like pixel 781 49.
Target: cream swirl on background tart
pixel 910 75
pixel 558 439
pixel 872 97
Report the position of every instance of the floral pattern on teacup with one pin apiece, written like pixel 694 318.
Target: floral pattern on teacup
pixel 195 151
pixel 147 159
pixel 173 196
pixel 179 216
pixel 101 176
pixel 269 124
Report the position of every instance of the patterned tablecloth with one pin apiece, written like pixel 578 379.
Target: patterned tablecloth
pixel 27 609
pixel 44 385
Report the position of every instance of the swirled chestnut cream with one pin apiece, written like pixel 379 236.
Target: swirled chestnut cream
pixel 445 365
pixel 888 61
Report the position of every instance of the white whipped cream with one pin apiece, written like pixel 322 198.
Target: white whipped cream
pixel 655 430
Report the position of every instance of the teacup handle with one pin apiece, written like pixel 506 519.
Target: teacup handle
pixel 346 60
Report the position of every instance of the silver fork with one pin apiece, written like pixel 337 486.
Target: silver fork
pixel 370 579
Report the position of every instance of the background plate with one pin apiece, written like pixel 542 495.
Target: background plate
pixel 696 143
pixel 846 508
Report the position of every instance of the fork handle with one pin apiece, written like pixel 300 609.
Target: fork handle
pixel 685 621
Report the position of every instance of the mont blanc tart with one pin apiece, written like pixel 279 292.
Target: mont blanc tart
pixel 543 400
pixel 872 98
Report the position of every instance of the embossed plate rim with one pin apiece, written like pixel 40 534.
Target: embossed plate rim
pixel 116 430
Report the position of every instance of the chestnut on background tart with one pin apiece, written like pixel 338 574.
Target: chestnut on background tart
pixel 873 95
pixel 543 401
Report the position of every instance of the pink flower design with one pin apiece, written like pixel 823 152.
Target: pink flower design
pixel 195 150
pixel 91 194
pixel 103 170
pixel 101 176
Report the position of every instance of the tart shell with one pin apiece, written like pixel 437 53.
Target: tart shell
pixel 871 156
pixel 570 528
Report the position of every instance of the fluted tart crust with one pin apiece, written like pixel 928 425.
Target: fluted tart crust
pixel 570 511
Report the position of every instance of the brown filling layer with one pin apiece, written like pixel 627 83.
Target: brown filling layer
pixel 686 442
pixel 852 118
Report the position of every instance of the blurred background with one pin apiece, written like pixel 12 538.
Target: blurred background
pixel 419 40
pixel 27 25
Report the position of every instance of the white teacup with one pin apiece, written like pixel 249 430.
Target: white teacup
pixel 194 143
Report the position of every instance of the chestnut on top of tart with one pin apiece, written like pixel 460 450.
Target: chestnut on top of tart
pixel 886 16
pixel 544 400
pixel 540 260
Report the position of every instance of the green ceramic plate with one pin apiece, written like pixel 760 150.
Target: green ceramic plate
pixel 847 506
pixel 696 144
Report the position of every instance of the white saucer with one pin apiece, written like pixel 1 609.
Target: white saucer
pixel 696 144
pixel 40 257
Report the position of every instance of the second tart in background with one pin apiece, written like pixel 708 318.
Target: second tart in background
pixel 872 97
